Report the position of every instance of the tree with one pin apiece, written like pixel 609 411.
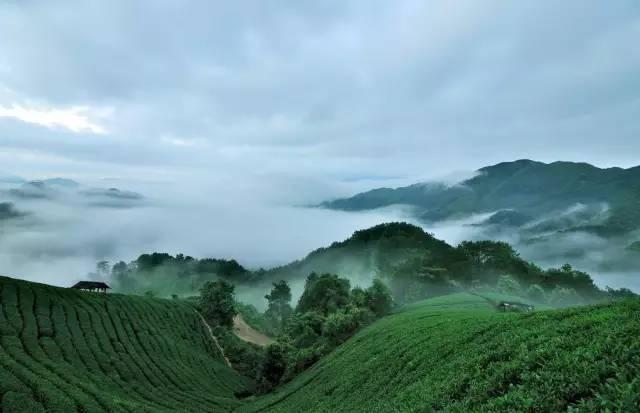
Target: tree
pixel 536 293
pixel 417 278
pixel 217 302
pixel 274 365
pixel 565 297
pixel 508 285
pixel 304 329
pixel 378 298
pixel 620 293
pixel 102 269
pixel 342 324
pixel 279 309
pixel 119 269
pixel 324 293
pixel 358 297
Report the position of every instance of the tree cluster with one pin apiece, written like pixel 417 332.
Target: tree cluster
pixel 328 313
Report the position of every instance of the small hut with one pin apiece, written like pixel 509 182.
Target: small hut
pixel 511 306
pixel 91 286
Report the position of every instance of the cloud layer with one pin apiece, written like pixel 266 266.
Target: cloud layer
pixel 325 92
pixel 227 113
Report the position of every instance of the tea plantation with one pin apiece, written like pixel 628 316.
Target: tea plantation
pixel 63 350
pixel 457 354
pixel 67 351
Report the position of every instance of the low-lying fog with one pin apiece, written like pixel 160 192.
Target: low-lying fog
pixel 606 260
pixel 61 239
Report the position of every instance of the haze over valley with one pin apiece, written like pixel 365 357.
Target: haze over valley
pixel 337 206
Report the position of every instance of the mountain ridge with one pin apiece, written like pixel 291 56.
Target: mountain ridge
pixel 528 187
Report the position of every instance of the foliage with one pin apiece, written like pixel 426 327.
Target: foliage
pixel 377 298
pixel 508 285
pixel 536 293
pixel 620 293
pixel 304 329
pixel 342 324
pixel 246 358
pixel 327 315
pixel 217 303
pixel 279 308
pixel 168 274
pixel 64 350
pixel 256 319
pixel 418 278
pixel 274 366
pixel 564 297
pixel 324 293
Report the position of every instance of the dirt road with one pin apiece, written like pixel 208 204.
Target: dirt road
pixel 248 333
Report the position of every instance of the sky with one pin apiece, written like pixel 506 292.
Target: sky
pixel 316 92
pixel 291 103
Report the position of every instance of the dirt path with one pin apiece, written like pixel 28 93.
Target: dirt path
pixel 214 339
pixel 247 333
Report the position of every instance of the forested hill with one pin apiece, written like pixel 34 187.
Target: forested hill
pixel 525 191
pixel 413 263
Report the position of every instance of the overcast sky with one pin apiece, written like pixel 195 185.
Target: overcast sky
pixel 313 94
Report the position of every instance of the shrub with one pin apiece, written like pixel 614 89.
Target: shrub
pixel 217 302
pixel 378 298
pixel 342 324
pixel 324 293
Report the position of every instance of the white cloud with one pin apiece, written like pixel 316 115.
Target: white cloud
pixel 76 119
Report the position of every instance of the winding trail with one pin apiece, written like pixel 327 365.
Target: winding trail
pixel 249 334
pixel 213 337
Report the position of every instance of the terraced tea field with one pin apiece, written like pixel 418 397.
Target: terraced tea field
pixel 66 351
pixel 457 354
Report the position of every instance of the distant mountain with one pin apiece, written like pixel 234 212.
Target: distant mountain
pixel 111 193
pixel 524 193
pixel 9 211
pixel 62 189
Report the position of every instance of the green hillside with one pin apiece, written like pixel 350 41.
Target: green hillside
pixel 63 350
pixel 458 354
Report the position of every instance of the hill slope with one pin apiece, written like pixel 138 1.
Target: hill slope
pixel 457 354
pixel 63 350
pixel 527 189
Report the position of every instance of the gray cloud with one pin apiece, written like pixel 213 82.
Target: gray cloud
pixel 210 105
pixel 401 88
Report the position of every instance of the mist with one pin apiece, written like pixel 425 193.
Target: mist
pixel 60 240
pixel 608 261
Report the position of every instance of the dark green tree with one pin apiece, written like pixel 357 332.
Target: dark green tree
pixel 217 302
pixel 274 365
pixel 343 324
pixel 378 298
pixel 279 309
pixel 324 293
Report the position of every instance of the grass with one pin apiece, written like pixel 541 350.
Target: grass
pixel 63 350
pixel 457 354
